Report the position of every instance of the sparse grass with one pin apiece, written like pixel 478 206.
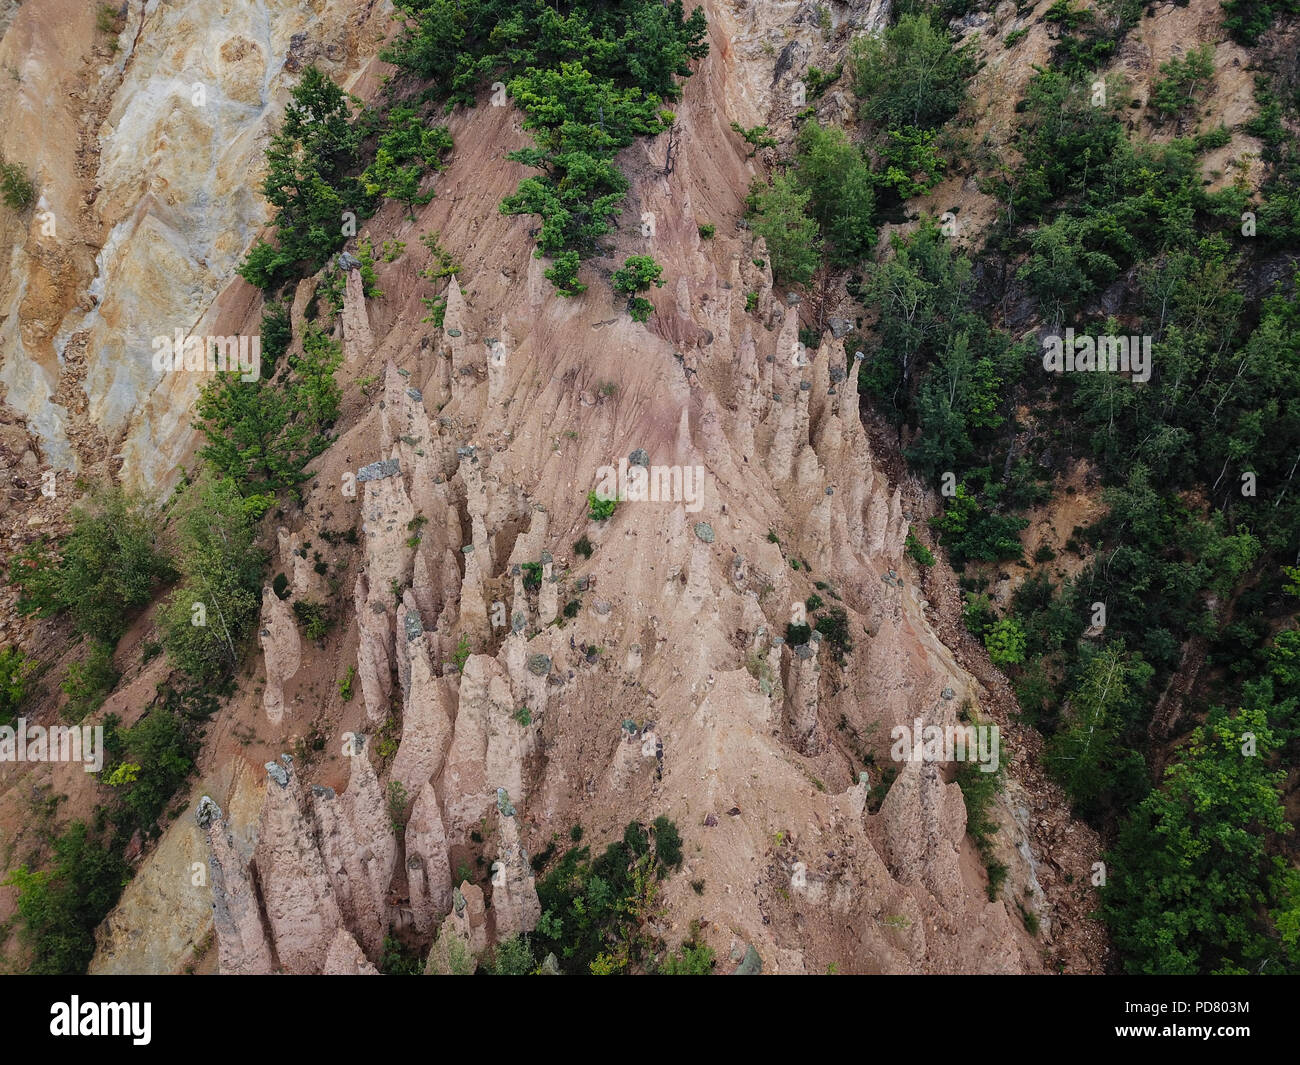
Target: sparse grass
pixel 106 19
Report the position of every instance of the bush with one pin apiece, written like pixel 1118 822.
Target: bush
pixel 1182 81
pixel 406 150
pixel 756 137
pixel 397 800
pixel 107 566
pixel 979 791
pixel 59 909
pixel 111 563
pixel 1248 20
pixel 972 532
pixel 16 189
pixel 668 843
pixel 690 959
pixel 598 508
pixel 313 618
pixel 88 684
pixel 15 671
pixel 910 75
pixel 277 335
pixel 563 274
pixel 779 214
pixel 978 615
pixel 398 959
pixel 461 655
pixel 512 957
pixel 637 274
pixel 834 627
pixel 919 552
pixel 597 914
pixel 161 746
pixel 1005 642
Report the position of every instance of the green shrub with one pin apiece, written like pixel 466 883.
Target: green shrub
pixel 532 575
pixel 690 959
pixel 1005 642
pixel 910 75
pixel 979 792
pixel 563 273
pixel 277 335
pixel 106 18
pixel 978 615
pixel 637 274
pixel 667 842
pixel 163 745
pixel 108 566
pixel 919 552
pixel 1183 81
pixel 59 909
pixel 88 684
pixel 16 670
pixel 834 627
pixel 461 655
pixel 407 149
pixel 313 618
pixel 1248 20
pixel 598 509
pixel 397 799
pixel 779 214
pixel 972 532
pixel 398 959
pixel 512 957
pixel 756 137
pixel 16 189
pixel 597 914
